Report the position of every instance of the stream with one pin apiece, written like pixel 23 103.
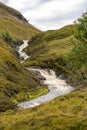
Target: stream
pixel 56 85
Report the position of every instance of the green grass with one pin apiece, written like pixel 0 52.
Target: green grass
pixel 31 94
pixel 21 31
pixel 68 112
pixel 17 28
pixel 56 50
pixel 49 45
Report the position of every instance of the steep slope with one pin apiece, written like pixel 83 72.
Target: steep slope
pixel 15 81
pixel 15 23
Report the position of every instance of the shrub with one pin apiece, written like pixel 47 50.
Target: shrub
pixel 7 37
pixel 76 61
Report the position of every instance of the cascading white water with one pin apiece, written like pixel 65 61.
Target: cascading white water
pixel 56 85
pixel 20 51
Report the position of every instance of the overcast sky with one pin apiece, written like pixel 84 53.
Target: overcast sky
pixel 49 14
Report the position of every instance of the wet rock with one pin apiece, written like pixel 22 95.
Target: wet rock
pixel 38 75
pixel 18 43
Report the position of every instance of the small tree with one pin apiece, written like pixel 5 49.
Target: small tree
pixel 80 48
pixel 7 37
pixel 81 28
pixel 76 61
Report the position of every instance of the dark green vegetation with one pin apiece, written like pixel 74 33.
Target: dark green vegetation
pixel 76 61
pixel 15 80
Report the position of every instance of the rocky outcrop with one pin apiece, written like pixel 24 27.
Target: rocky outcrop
pixel 38 75
pixel 18 42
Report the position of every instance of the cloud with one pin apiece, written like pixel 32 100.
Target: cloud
pixel 49 14
pixel 4 1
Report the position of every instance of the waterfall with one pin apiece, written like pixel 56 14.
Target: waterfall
pixel 22 54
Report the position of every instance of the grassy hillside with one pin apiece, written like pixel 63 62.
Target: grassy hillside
pixel 16 83
pixel 15 23
pixel 48 46
pixel 67 112
pixel 51 49
pixel 14 80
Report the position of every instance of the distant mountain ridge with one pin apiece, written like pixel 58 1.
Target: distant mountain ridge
pixel 11 18
pixel 13 12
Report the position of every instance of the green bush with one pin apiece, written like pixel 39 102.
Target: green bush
pixel 76 61
pixel 7 37
pixel 81 28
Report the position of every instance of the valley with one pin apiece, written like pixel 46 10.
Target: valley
pixel 46 74
pixel 55 85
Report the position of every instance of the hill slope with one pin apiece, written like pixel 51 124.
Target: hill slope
pixel 15 81
pixel 15 23
pixel 57 50
pixel 48 48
